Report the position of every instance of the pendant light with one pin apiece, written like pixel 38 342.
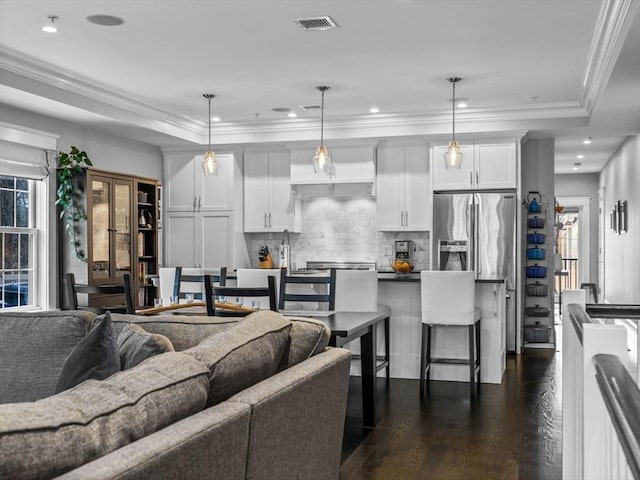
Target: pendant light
pixel 453 156
pixel 322 160
pixel 210 163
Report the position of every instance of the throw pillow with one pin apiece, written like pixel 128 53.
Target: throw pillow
pixel 94 357
pixel 136 345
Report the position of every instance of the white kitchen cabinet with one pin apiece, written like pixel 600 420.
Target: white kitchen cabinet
pixel 198 239
pixel 268 203
pixel 484 166
pixel 188 189
pixel 403 191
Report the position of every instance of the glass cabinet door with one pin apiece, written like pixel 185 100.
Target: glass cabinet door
pixel 100 230
pixel 122 228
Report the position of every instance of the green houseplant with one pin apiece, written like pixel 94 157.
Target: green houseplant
pixel 70 163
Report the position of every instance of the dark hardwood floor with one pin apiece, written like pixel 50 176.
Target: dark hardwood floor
pixel 512 431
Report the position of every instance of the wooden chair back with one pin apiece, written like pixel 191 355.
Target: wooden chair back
pixel 309 295
pixel 188 280
pixel 73 289
pixel 233 294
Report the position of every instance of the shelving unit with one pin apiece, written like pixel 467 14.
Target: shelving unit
pixel 146 242
pixel 539 331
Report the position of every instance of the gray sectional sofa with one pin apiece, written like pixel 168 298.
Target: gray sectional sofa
pixel 256 398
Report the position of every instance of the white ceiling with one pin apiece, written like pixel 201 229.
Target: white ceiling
pixel 565 69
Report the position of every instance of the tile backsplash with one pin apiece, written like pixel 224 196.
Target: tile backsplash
pixel 339 230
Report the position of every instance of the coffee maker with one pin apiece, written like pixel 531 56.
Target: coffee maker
pixel 404 249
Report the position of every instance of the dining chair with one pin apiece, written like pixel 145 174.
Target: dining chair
pixel 236 296
pixel 357 291
pixel 257 277
pixel 192 281
pixel 124 289
pixel 318 291
pixel 448 300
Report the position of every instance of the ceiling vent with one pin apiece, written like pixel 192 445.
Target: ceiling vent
pixel 316 23
pixel 310 107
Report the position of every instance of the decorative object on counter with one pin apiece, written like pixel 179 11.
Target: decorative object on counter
pixel 322 160
pixel 453 155
pixel 402 265
pixel 70 163
pixel 264 257
pixel 210 163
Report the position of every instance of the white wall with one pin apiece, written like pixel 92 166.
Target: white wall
pixel 620 179
pixel 584 185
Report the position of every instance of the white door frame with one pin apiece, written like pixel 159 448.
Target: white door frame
pixel 583 204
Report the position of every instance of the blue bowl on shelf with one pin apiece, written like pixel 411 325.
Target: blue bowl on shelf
pixel 535 222
pixel 536 271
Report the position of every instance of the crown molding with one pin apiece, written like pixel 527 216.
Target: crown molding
pixel 612 26
pixel 47 80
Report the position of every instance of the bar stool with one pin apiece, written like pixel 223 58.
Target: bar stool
pixel 448 300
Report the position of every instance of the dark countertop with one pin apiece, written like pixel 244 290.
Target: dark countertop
pixel 385 276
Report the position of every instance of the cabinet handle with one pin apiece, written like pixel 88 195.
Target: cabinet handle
pixel 406 218
pixel 471 178
pixel 401 219
pixel 195 202
pixel 477 181
pixel 199 202
pixel 265 220
pixel 270 222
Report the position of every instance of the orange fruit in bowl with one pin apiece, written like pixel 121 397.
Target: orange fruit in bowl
pixel 405 267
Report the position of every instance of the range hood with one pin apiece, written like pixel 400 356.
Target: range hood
pixel 333 189
pixel 354 173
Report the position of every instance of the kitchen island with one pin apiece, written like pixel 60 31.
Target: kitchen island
pixel 402 294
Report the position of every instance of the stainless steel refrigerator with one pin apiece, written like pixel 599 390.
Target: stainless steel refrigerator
pixel 477 231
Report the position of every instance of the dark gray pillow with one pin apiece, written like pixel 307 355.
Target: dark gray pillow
pixel 136 345
pixel 95 357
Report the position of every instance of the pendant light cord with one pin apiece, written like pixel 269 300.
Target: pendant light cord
pixel 322 122
pixel 210 124
pixel 454 111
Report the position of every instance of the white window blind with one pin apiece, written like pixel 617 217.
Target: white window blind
pixel 26 162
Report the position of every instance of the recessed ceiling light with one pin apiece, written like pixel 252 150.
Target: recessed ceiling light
pixel 105 20
pixel 587 141
pixel 50 26
pixel 291 115
pixel 577 165
pixel 215 119
pixel 579 156
pixel 281 109
pixel 374 110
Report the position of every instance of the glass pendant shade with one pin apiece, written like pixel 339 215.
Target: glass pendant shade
pixel 321 160
pixel 453 156
pixel 210 164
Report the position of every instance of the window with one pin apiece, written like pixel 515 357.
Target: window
pixel 18 239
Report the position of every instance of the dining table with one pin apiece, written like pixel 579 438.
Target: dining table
pixel 349 326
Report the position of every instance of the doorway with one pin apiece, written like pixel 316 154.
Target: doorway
pixel 573 240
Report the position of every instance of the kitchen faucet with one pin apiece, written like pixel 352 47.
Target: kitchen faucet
pixel 285 249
